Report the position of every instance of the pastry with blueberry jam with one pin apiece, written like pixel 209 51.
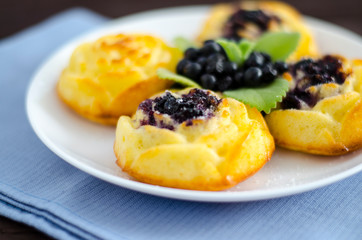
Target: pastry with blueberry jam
pixel 192 139
pixel 111 76
pixel 251 19
pixel 322 111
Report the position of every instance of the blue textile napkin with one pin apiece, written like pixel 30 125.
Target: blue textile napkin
pixel 40 189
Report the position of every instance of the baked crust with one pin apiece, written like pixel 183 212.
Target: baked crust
pixel 291 21
pixel 332 127
pixel 212 154
pixel 111 76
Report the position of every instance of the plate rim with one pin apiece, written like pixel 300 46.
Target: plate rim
pixel 174 193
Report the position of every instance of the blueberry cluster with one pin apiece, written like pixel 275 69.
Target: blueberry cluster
pixel 211 68
pixel 259 69
pixel 197 103
pixel 309 72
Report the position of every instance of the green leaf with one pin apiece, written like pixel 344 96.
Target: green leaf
pixel 163 73
pixel 232 50
pixel 279 45
pixel 262 98
pixel 246 48
pixel 183 43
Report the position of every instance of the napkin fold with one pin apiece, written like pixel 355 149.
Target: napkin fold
pixel 40 189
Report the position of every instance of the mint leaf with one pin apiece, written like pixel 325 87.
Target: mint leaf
pixel 246 48
pixel 262 98
pixel 237 52
pixel 163 73
pixel 183 43
pixel 279 45
pixel 232 50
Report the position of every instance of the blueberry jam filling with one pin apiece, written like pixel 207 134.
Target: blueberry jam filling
pixel 241 18
pixel 210 67
pixel 309 72
pixel 196 104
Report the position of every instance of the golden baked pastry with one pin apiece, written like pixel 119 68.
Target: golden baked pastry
pixel 250 19
pixel 192 140
pixel 357 71
pixel 322 112
pixel 113 75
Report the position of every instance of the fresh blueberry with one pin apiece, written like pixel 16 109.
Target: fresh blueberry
pixel 215 65
pixel 208 81
pixel 253 77
pixel 180 66
pixel 191 53
pixel 269 73
pixel 214 58
pixel 230 67
pixel 208 41
pixel 210 47
pixel 238 79
pixel 224 83
pixel 192 70
pixel 281 67
pixel 267 58
pixel 255 59
pixel 202 61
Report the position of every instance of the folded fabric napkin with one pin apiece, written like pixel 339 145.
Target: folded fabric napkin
pixel 40 189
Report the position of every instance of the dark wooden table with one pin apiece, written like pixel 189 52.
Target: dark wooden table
pixel 17 15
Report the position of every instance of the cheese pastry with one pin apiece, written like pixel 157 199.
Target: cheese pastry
pixel 250 19
pixel 192 140
pixel 111 76
pixel 322 112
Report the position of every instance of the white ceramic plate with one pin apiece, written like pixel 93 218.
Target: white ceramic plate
pixel 88 146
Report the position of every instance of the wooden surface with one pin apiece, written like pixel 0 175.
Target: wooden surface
pixel 18 15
